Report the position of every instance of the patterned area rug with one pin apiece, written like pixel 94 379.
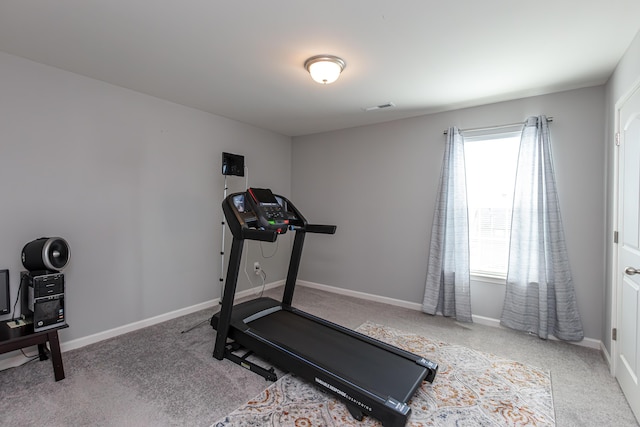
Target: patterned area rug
pixel 471 389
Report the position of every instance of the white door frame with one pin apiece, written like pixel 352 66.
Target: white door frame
pixel 615 277
pixel 613 357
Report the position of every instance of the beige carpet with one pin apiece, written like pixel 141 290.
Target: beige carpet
pixel 471 388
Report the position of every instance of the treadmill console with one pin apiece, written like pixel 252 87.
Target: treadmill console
pixel 260 213
pixel 270 215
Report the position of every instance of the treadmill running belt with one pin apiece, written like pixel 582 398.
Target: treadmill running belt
pixel 369 366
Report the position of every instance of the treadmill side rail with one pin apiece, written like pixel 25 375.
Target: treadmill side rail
pixel 432 366
pixel 260 314
pixel 401 407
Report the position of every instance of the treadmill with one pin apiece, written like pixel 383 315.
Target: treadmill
pixel 369 376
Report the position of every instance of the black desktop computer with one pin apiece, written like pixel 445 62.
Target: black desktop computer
pixel 43 299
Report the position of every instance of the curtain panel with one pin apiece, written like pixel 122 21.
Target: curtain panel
pixel 447 288
pixel 540 296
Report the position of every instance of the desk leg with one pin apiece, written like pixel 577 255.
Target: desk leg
pixel 56 357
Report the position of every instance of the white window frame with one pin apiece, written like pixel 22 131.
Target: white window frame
pixel 482 135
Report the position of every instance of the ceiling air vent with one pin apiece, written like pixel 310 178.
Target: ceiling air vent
pixel 380 107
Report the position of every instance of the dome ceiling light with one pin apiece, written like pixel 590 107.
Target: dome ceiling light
pixel 324 69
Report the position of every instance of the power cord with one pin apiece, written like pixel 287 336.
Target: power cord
pixel 275 251
pixel 196 325
pixel 13 317
pixel 263 275
pixel 35 356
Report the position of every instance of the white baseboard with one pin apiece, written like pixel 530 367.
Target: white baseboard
pixel 586 342
pixel 100 336
pixel 481 320
pixel 120 330
pixel 486 321
pixel 361 295
pixel 607 358
pixel 18 359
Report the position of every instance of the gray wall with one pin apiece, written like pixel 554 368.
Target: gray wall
pixel 625 77
pixel 132 182
pixel 378 184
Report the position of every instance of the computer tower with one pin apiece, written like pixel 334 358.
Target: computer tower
pixel 43 299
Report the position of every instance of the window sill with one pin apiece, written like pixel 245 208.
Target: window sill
pixel 489 278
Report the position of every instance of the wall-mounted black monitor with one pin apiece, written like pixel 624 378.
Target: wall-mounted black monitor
pixel 5 304
pixel 232 164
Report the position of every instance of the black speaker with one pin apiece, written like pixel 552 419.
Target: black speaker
pixel 46 253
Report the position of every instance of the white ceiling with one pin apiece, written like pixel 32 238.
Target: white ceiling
pixel 244 59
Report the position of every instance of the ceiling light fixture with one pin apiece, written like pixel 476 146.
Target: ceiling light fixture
pixel 324 69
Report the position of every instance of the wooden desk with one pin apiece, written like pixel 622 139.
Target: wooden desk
pixel 23 336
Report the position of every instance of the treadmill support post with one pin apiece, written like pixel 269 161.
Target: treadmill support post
pixel 222 331
pixel 294 266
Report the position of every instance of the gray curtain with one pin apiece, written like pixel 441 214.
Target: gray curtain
pixel 540 296
pixel 447 287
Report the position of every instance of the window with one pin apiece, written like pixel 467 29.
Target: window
pixel 490 163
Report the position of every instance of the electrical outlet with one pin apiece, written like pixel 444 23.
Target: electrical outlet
pixel 256 268
pixel 16 323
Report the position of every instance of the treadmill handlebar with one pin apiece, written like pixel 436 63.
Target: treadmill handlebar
pixel 261 235
pixel 321 229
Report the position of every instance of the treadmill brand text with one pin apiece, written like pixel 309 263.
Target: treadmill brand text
pixel 342 393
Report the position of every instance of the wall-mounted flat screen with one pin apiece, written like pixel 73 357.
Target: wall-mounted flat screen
pixel 232 164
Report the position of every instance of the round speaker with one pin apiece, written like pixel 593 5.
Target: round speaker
pixel 46 253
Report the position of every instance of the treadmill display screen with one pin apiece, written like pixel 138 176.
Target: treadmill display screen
pixel 263 196
pixel 238 202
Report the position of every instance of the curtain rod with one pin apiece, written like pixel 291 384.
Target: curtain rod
pixel 549 119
